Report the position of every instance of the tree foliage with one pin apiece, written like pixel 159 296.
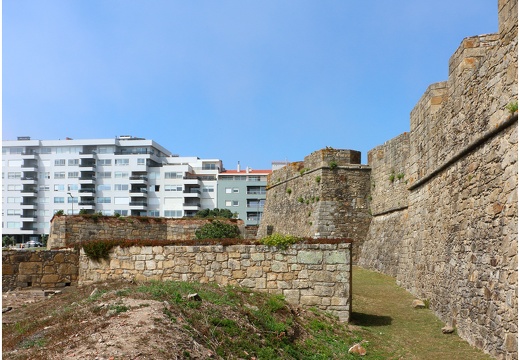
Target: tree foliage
pixel 216 212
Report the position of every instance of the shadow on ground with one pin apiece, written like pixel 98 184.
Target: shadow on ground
pixel 362 319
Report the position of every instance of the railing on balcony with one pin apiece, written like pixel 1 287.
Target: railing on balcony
pixel 87 202
pixel 138 203
pixel 192 204
pixel 29 165
pixel 138 191
pixel 139 177
pixel 255 206
pixel 191 191
pixel 88 165
pixel 256 192
pixel 29 203
pixel 92 190
pixel 29 191
pixel 87 178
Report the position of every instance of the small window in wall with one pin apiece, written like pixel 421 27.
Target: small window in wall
pixel 235 190
pixel 228 190
pixel 235 203
pixel 228 202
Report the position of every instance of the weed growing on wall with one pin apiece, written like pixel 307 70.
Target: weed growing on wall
pixel 279 240
pixel 512 107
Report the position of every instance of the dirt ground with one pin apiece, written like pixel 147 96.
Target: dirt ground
pixel 141 331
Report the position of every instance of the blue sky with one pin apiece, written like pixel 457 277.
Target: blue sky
pixel 248 81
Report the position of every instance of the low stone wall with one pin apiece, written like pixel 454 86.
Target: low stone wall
pixel 69 230
pixel 311 275
pixel 40 269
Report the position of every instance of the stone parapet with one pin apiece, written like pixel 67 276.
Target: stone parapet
pixel 310 275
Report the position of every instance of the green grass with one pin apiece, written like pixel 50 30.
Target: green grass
pixel 394 329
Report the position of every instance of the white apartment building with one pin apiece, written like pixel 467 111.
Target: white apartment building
pixel 125 175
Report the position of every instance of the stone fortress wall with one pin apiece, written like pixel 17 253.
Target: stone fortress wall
pixel 448 229
pixel 69 230
pixel 443 215
pixel 325 196
pixel 309 275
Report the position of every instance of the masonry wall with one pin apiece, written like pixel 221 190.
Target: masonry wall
pixel 69 230
pixel 455 241
pixel 314 199
pixel 40 269
pixel 311 275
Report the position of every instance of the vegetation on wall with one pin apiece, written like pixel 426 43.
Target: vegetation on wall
pixel 217 230
pixel 216 212
pixel 280 241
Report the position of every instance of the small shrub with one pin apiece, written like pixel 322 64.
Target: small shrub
pixel 98 249
pixel 333 164
pixel 83 211
pixel 217 230
pixel 400 176
pixel 300 199
pixel 512 107
pixel 279 240
pixel 391 177
pixel 59 213
pixel 288 191
pixel 318 179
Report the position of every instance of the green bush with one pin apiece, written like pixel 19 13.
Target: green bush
pixel 289 191
pixel 98 249
pixel 318 179
pixel 217 230
pixel 333 164
pixel 512 107
pixel 279 240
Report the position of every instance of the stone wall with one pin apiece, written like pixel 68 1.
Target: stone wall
pixel 311 275
pixel 455 239
pixel 68 230
pixel 41 269
pixel 325 196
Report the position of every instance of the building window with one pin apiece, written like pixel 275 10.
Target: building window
pixel 59 162
pixel 59 200
pixel 73 162
pixel 121 187
pixel 173 175
pixel 172 187
pixel 13 225
pixel 235 203
pixel 105 174
pixel 73 187
pixel 44 175
pixel 121 175
pixel 228 203
pixel 208 189
pixel 173 213
pixel 154 213
pixel 14 187
pixel 141 161
pixel 235 190
pixel 43 200
pixel 104 162
pixel 14 212
pixel 73 175
pixel 59 187
pixel 209 166
pixel 44 188
pixel 104 200
pixel 228 190
pixel 14 175
pixel 59 175
pixel 253 178
pixel 73 200
pixel 121 212
pixel 14 200
pixel 102 187
pixel 122 162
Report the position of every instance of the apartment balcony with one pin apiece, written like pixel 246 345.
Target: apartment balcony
pixel 87 166
pixel 191 193
pixel 139 193
pixel 87 179
pixel 192 180
pixel 139 179
pixel 191 206
pixel 138 205
pixel 87 191
pixel 29 166
pixel 29 195
pixel 28 218
pixel 29 205
pixel 29 228
pixel 89 154
pixel 87 204
pixel 31 191
pixel 30 154
pixel 29 180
